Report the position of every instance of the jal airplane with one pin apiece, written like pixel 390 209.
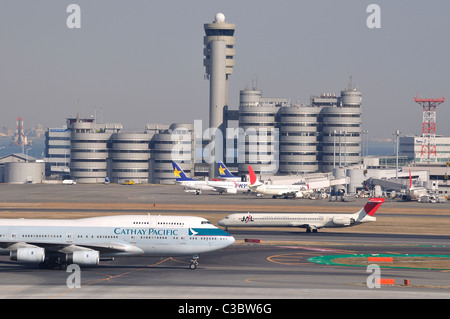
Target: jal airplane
pixel 312 222
pixel 56 243
pixel 415 192
pixel 228 187
pixel 296 191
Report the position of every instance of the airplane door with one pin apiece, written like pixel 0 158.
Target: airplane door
pixel 183 236
pixel 152 221
pixel 69 237
pixel 13 235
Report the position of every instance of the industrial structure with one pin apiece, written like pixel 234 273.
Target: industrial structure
pixel 428 151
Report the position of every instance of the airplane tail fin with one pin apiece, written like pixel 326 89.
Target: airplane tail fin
pixel 368 211
pixel 372 206
pixel 253 179
pixel 180 175
pixel 223 171
pixel 410 180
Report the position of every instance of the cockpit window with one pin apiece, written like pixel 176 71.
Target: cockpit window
pixel 205 222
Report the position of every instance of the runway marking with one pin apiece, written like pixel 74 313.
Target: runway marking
pixel 110 277
pixel 401 261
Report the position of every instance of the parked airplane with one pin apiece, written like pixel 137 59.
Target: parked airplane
pixel 216 186
pixel 312 222
pixel 415 192
pixel 225 174
pixel 189 183
pixel 296 191
pixel 57 243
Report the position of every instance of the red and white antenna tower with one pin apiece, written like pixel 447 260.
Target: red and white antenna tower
pixel 428 152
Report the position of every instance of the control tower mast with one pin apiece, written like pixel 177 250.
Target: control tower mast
pixel 219 61
pixel 428 152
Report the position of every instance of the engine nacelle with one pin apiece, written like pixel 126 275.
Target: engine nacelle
pixel 83 257
pixel 28 254
pixel 231 191
pixel 343 221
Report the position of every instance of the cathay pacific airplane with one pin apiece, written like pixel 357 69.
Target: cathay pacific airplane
pixel 58 243
pixel 312 222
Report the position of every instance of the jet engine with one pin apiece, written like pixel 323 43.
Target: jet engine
pixel 28 254
pixel 343 221
pixel 231 191
pixel 83 257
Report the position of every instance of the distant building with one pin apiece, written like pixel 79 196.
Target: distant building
pixel 21 169
pixel 287 139
pixel 411 146
pixel 89 152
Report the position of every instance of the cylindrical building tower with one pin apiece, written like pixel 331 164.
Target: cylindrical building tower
pixel 219 61
pixel 342 129
pixel 130 156
pixel 258 121
pixel 299 130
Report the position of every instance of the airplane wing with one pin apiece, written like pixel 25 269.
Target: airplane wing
pixel 70 248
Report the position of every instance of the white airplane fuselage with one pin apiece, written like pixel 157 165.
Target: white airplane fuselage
pixel 32 240
pixel 309 221
pixel 280 190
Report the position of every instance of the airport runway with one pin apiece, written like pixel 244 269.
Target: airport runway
pixel 277 268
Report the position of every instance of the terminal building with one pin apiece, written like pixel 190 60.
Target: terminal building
pixel 89 152
pixel 287 139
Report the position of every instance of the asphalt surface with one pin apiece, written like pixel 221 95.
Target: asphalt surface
pixel 276 269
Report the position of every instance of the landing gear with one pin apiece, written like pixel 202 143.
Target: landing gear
pixel 194 262
pixel 53 263
pixel 309 230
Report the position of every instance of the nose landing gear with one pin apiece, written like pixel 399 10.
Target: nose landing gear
pixel 194 262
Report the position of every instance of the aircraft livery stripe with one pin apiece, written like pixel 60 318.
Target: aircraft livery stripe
pixel 207 232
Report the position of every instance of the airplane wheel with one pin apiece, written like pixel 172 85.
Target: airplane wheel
pixel 193 266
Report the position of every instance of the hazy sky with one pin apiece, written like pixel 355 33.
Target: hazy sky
pixel 141 61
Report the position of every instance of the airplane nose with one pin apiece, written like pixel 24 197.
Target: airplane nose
pixel 221 222
pixel 230 241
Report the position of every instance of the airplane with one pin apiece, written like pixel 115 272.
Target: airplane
pixel 414 192
pixel 189 183
pixel 225 174
pixel 312 222
pixel 296 191
pixel 56 243
pixel 197 186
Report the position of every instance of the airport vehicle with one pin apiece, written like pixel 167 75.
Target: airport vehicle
pixel 294 190
pixel 69 182
pixel 196 186
pixel 128 182
pixel 58 242
pixel 312 222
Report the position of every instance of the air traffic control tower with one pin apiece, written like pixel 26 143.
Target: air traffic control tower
pixel 219 61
